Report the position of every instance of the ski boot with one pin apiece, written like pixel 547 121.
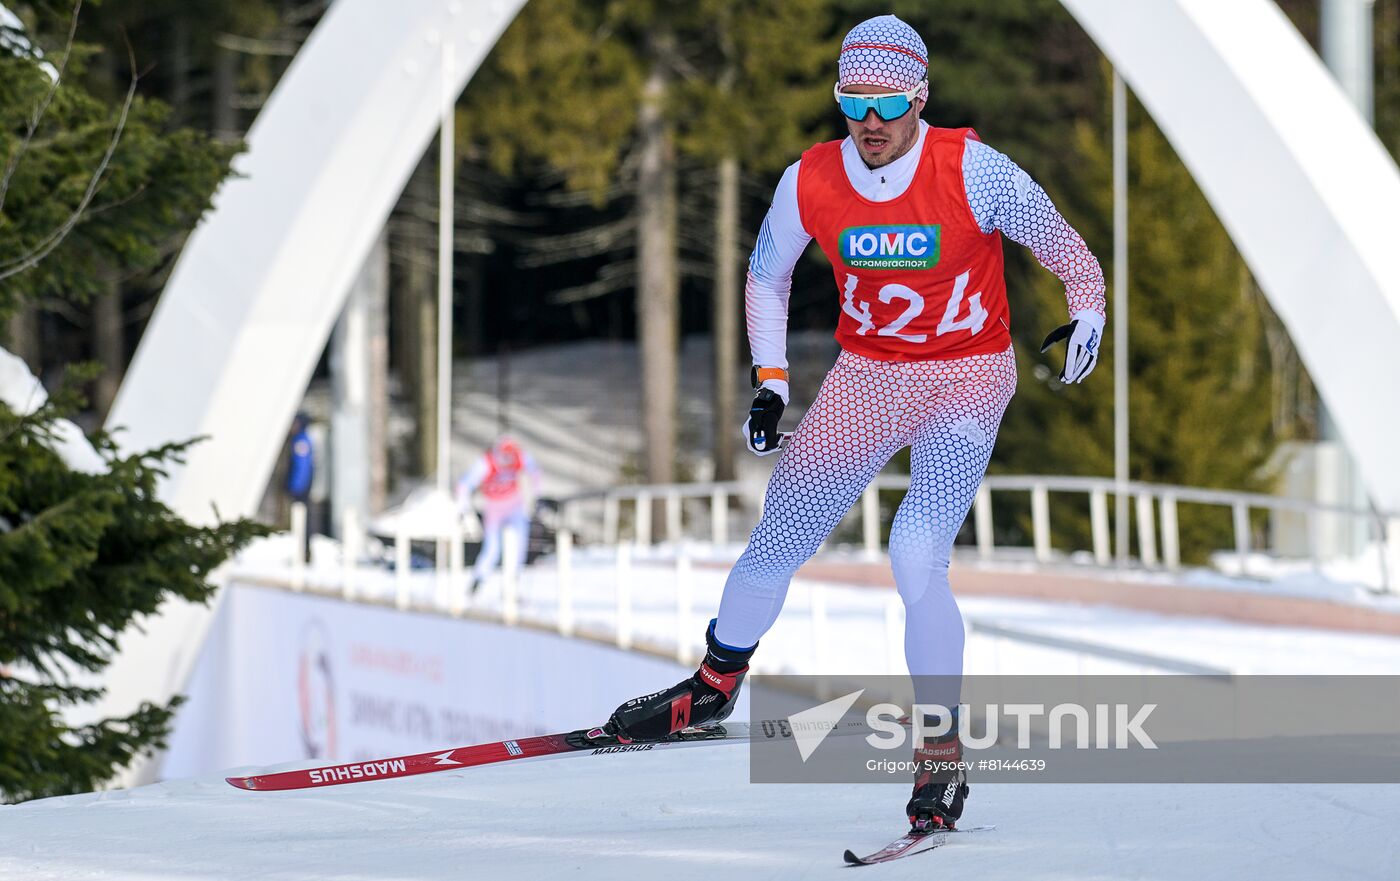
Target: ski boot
pixel 705 699
pixel 940 786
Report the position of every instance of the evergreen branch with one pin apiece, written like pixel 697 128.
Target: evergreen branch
pixel 22 419
pixel 695 268
pixel 611 278
pixel 601 239
pixel 484 212
pixel 256 45
pixel 468 209
pixel 305 12
pixel 38 420
pixel 47 245
pixel 67 310
pixel 687 69
pixel 41 108
pixel 577 198
pixel 125 200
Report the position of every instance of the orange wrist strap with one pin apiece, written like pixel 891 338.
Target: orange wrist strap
pixel 763 374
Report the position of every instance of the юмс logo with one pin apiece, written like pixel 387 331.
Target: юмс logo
pixel 889 247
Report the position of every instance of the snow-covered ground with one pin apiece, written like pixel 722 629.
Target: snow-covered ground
pixel 691 814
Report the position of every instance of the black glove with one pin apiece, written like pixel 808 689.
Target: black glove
pixel 761 430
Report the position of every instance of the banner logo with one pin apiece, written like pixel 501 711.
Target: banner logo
pixel 316 693
pixel 890 247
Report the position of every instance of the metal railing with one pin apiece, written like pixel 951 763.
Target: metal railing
pixel 707 511
pixel 573 509
pixel 1155 510
pixel 672 628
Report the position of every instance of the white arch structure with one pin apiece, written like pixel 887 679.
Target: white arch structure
pixel 1303 186
pixel 252 300
pixel 238 330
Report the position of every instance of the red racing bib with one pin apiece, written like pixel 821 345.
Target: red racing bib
pixel 917 278
pixel 502 476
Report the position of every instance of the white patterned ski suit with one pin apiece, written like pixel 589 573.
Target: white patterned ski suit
pixel 947 411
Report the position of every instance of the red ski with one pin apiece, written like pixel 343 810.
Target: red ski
pixel 589 742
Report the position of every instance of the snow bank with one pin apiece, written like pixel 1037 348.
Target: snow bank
pixel 22 392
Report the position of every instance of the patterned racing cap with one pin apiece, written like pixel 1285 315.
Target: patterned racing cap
pixel 884 51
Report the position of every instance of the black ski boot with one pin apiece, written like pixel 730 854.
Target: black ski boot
pixel 940 786
pixel 704 699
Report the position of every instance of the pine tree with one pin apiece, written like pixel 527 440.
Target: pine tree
pixel 567 85
pixel 88 189
pixel 755 89
pixel 176 49
pixel 82 557
pixel 629 93
pixel 84 160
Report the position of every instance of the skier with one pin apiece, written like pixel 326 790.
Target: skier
pixel 911 218
pixel 498 474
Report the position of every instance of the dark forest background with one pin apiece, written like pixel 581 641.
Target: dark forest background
pixel 615 160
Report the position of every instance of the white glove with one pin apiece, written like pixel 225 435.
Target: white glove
pixel 1085 334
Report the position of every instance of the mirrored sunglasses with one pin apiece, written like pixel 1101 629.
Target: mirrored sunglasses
pixel 887 105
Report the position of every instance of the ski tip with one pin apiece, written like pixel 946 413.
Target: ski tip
pixel 852 859
pixel 240 782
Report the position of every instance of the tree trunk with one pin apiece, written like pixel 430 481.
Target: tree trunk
pixel 415 311
pixel 107 330
pixel 226 127
pixel 657 286
pixel 726 317
pixel 23 335
pixel 109 346
pixel 403 330
pixel 356 425
pixel 425 400
pixel 378 357
pixel 423 286
pixel 179 70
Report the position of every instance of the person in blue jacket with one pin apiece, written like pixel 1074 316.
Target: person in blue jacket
pixel 301 469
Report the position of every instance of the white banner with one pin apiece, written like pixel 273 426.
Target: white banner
pixel 285 677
